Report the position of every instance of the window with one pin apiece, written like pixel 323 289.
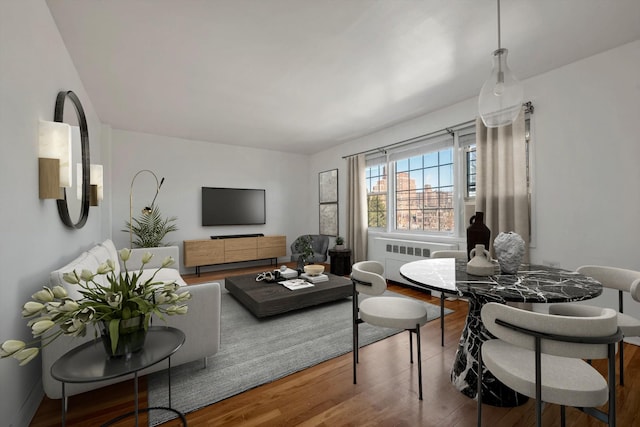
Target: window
pixel 424 192
pixel 470 163
pixel 422 186
pixel 376 181
pixel 413 188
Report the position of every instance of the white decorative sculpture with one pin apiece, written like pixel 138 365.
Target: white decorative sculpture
pixel 509 249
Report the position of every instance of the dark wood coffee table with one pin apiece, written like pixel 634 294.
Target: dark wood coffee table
pixel 267 299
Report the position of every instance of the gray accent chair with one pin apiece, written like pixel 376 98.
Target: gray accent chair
pixel 620 280
pixel 384 311
pixel 543 356
pixel 320 245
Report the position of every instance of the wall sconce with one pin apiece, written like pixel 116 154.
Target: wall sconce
pixel 54 159
pixel 96 184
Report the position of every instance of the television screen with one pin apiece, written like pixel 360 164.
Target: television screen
pixel 233 206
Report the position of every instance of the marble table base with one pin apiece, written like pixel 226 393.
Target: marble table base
pixel 464 375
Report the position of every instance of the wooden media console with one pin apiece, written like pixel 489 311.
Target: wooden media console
pixel 226 250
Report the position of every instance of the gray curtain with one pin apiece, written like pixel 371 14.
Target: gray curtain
pixel 501 179
pixel 357 223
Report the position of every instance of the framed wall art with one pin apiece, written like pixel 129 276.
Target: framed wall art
pixel 329 219
pixel 328 198
pixel 328 181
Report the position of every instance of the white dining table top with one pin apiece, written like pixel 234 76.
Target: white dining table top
pixel 436 273
pixel 532 283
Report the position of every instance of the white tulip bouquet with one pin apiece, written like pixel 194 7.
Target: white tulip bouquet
pixel 126 297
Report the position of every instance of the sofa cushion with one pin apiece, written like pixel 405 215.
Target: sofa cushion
pixel 112 253
pixel 82 262
pixel 100 255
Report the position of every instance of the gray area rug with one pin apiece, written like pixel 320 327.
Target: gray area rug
pixel 257 351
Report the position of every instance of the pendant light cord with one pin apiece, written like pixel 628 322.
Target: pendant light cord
pixel 499 41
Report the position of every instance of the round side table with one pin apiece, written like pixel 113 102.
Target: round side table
pixel 89 362
pixel 340 261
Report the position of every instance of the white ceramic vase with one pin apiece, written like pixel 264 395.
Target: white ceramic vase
pixel 480 264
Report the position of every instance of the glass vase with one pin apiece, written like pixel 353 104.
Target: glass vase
pixel 131 337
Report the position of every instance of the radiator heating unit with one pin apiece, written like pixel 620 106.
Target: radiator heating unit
pixel 393 253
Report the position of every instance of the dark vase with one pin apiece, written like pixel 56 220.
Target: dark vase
pixel 131 337
pixel 477 233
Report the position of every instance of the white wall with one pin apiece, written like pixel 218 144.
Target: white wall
pixel 189 165
pixel 586 148
pixel 34 66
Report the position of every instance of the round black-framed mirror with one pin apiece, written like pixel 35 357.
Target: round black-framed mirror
pixel 63 208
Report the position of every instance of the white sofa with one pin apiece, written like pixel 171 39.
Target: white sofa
pixel 201 324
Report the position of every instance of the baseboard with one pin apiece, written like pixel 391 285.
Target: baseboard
pixel 29 408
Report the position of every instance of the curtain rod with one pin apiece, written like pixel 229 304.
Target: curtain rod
pixel 528 109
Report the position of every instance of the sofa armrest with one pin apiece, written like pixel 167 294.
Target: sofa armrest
pixel 159 253
pixel 201 324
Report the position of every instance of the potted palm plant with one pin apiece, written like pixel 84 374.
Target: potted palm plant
pixel 150 228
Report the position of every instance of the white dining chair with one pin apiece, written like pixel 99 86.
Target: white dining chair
pixel 619 279
pixel 446 254
pixel 541 356
pixel 384 311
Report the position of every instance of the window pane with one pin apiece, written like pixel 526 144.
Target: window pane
pixel 415 163
pixel 471 171
pixel 416 177
pixel 402 219
pixel 446 156
pixel 376 183
pixel 402 165
pixel 377 207
pixel 402 200
pixel 431 159
pixel 431 177
pixel 403 183
pixel 446 175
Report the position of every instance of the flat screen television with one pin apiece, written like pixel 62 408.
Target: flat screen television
pixel 233 206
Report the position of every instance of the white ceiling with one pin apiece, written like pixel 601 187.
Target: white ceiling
pixel 304 75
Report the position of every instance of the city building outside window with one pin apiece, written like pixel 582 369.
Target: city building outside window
pixel 424 192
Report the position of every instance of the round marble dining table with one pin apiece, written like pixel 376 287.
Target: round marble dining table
pixel 531 284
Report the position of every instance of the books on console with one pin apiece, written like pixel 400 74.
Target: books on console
pixel 294 284
pixel 315 279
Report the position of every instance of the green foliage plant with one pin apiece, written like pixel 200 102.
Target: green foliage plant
pixel 150 228
pixel 303 246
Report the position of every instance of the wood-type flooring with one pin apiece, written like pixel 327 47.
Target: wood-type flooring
pixel 324 395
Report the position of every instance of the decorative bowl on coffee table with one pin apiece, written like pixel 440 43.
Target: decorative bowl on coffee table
pixel 314 269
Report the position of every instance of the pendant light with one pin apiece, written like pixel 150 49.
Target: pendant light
pixel 501 95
